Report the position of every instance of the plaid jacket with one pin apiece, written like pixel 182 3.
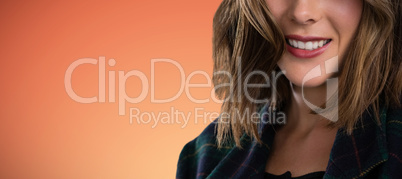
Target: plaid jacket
pixel 374 151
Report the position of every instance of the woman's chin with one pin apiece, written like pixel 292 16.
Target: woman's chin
pixel 311 83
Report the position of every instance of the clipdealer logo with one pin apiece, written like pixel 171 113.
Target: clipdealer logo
pixel 165 117
pixel 180 117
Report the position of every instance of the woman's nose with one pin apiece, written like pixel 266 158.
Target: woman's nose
pixel 305 12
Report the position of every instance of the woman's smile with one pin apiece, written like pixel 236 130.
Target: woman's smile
pixel 306 46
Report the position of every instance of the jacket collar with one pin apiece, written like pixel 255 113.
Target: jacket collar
pixel 356 154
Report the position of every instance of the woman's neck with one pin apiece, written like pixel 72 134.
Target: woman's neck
pixel 300 116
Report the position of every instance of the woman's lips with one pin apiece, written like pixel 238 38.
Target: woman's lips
pixel 306 46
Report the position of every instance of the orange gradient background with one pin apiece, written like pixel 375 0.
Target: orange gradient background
pixel 46 134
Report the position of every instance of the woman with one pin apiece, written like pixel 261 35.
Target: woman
pixel 336 86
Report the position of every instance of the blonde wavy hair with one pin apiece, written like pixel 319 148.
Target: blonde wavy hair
pixel 246 29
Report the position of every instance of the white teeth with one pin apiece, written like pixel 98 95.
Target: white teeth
pixel 295 43
pixel 315 45
pixel 311 45
pixel 320 43
pixel 301 45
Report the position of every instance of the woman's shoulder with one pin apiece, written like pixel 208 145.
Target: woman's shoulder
pixel 207 137
pixel 201 152
pixel 202 157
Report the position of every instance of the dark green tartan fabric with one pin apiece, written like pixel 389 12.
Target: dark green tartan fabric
pixel 372 151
